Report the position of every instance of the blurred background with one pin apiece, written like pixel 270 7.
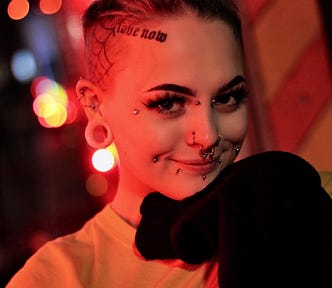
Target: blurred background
pixel 52 182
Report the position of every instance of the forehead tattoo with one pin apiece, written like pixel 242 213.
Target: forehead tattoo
pixel 102 54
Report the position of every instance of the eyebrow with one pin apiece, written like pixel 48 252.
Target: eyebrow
pixel 175 88
pixel 234 82
pixel 185 90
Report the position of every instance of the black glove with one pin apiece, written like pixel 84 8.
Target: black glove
pixel 266 217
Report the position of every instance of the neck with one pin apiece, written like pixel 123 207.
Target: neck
pixel 127 201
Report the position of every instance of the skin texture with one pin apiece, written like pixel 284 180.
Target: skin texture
pixel 202 55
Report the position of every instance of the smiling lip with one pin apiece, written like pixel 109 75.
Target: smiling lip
pixel 197 166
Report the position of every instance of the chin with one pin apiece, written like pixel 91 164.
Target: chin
pixel 187 188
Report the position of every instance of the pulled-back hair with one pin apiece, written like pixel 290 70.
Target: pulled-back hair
pixel 225 10
pixel 105 13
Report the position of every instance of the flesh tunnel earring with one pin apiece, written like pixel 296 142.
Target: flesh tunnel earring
pixel 98 134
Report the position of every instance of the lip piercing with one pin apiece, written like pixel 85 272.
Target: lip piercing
pixel 178 171
pixel 207 152
pixel 135 111
pixel 155 159
pixel 204 177
pixel 197 102
pixel 219 161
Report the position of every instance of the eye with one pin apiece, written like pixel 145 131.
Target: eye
pixel 167 104
pixel 230 101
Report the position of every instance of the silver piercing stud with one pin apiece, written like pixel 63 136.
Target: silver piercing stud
pixel 82 92
pixel 219 161
pixel 197 102
pixel 135 111
pixel 204 177
pixel 155 159
pixel 92 106
pixel 203 153
pixel 207 152
pixel 236 148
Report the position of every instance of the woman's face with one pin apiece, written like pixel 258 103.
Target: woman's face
pixel 173 97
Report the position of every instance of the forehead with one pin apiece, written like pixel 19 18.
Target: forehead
pixel 179 49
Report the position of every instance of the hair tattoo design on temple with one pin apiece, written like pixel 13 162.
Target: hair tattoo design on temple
pixel 106 29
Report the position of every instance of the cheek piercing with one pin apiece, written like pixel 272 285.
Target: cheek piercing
pixel 236 148
pixel 219 161
pixel 135 111
pixel 155 159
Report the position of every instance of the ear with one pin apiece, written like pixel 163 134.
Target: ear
pixel 90 97
pixel 97 132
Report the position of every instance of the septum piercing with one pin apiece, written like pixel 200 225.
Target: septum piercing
pixel 204 153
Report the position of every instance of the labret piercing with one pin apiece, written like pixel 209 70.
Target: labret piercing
pixel 197 102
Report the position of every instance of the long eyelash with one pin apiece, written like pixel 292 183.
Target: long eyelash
pixel 239 94
pixel 161 98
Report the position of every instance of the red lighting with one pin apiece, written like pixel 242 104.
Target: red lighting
pixel 50 6
pixel 18 9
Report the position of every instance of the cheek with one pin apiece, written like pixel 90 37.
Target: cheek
pixel 233 126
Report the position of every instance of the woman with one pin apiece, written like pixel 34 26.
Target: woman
pixel 165 81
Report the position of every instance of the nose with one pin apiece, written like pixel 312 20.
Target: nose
pixel 202 131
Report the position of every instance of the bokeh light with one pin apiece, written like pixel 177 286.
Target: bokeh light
pixel 23 65
pixel 18 9
pixel 96 184
pixel 50 6
pixel 103 160
pixel 51 103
